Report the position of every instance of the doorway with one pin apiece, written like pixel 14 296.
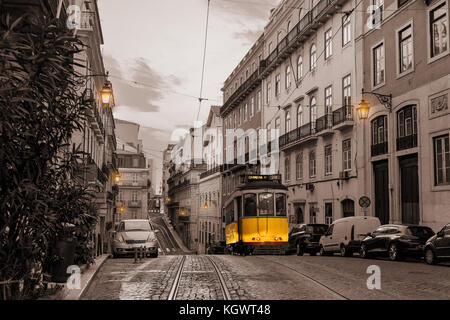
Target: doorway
pixel 381 177
pixel 409 189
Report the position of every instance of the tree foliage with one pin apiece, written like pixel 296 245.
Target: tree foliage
pixel 42 102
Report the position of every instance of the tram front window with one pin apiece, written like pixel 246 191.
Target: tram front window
pixel 281 204
pixel 250 205
pixel 265 204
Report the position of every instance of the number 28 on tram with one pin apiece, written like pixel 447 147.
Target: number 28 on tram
pixel 255 215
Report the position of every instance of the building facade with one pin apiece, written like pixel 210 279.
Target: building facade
pixel 406 55
pixel 134 176
pixel 211 227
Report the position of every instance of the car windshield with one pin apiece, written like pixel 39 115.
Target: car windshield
pixel 421 232
pixel 317 229
pixel 137 226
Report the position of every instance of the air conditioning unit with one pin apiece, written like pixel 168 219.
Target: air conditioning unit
pixel 344 175
pixel 310 187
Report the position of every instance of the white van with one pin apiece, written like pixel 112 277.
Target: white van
pixel 345 235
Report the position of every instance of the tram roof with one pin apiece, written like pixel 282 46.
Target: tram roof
pixel 262 185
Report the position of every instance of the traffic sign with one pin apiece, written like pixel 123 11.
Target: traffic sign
pixel 364 202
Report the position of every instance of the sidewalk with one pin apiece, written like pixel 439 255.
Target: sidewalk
pixel 87 274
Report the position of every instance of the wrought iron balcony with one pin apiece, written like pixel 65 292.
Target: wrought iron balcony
pixel 343 117
pixel 324 125
pixel 301 134
pixel 379 149
pixel 407 142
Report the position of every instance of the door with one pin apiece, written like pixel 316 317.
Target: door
pixel 381 177
pixel 409 189
pixel 299 214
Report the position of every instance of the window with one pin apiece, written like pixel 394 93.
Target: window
pixel 258 101
pixel 234 121
pixel 135 176
pixel 407 121
pixel 328 160
pixel 312 57
pixel 269 88
pixel 328 213
pixel 328 43
pixel 240 115
pixel 346 30
pixel 134 196
pixel 288 77
pixel 245 111
pixel 252 106
pixel 280 204
pixel 288 122
pixel 299 166
pixel 299 68
pixel 347 91
pixel 405 49
pixel 269 127
pixel 270 48
pixel 266 204
pixel 348 208
pixel 377 13
pixel 442 160
pixel 313 113
pixel 379 136
pixel 250 205
pixel 347 154
pixel 135 162
pixel 378 64
pixel 288 26
pixel 299 116
pixel 328 100
pixel 277 85
pixel 277 123
pixel 439 30
pixel 312 213
pixel 312 164
pixel 287 169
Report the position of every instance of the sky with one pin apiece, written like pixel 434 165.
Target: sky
pixel 153 50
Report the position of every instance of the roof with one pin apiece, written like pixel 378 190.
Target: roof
pixel 262 185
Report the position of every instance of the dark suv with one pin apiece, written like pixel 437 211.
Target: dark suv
pixel 305 238
pixel 397 241
pixel 437 247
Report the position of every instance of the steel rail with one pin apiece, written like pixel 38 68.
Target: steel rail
pixel 176 282
pixel 223 285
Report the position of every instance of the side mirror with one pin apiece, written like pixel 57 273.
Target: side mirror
pixel 440 234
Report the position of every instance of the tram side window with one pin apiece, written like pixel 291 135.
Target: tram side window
pixel 239 207
pixel 266 204
pixel 250 205
pixel 281 204
pixel 229 213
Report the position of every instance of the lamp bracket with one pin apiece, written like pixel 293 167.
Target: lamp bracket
pixel 384 99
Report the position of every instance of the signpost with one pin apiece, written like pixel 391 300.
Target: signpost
pixel 364 203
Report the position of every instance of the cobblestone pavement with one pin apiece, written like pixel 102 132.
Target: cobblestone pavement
pixel 269 277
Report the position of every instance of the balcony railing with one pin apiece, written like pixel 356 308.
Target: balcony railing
pixel 343 114
pixel 298 134
pixel 289 40
pixel 134 204
pixel 211 171
pixel 324 122
pixel 379 149
pixel 407 142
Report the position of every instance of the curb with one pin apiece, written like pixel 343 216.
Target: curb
pixel 87 274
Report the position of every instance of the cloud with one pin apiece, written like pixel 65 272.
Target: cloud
pixel 142 89
pixel 255 10
pixel 247 36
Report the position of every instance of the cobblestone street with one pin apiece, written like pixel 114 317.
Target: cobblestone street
pixel 266 277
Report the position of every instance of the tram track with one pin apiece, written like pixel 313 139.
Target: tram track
pixel 179 274
pixel 315 281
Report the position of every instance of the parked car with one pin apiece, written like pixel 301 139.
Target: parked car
pixel 397 241
pixel 133 234
pixel 345 235
pixel 305 238
pixel 437 248
pixel 217 247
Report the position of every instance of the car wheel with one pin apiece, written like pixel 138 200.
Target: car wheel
pixel 394 252
pixel 363 252
pixel 430 257
pixel 300 250
pixel 344 252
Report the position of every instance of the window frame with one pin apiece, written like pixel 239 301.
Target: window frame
pixel 431 9
pixel 445 154
pixel 313 57
pixel 312 164
pixel 347 154
pixel 299 166
pixel 328 156
pixel 399 50
pixel 328 35
pixel 381 64
pixel 346 30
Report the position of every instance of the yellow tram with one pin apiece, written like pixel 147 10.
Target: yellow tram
pixel 255 216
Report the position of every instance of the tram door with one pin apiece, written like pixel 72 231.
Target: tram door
pixel 239 215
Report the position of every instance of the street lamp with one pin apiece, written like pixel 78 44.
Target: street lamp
pixel 117 177
pixel 205 206
pixel 106 93
pixel 122 208
pixel 364 106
